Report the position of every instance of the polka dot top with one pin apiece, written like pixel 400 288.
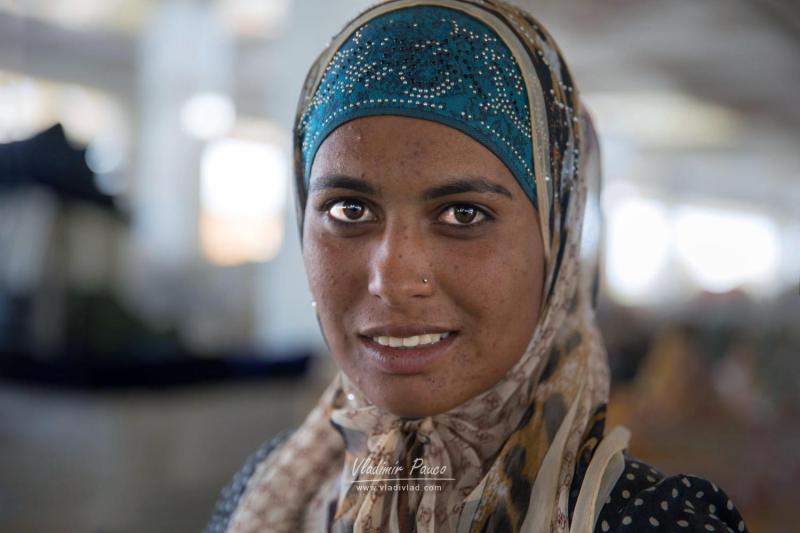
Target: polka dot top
pixel 645 500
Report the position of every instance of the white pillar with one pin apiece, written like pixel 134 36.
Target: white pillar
pixel 285 319
pixel 184 51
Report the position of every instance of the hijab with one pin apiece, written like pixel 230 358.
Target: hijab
pixel 509 454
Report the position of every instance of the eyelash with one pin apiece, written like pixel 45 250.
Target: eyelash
pixel 487 217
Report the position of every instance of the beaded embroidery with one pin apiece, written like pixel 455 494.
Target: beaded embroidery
pixel 432 63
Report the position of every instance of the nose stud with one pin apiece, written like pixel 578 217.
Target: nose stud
pixel 425 280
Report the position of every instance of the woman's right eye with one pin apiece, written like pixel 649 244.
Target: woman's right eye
pixel 349 211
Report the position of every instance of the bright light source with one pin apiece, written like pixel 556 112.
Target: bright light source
pixel 243 193
pixel 87 113
pixel 638 241
pixel 243 179
pixel 23 107
pixel 105 156
pixel 233 241
pixel 665 119
pixel 86 14
pixel 105 153
pixel 255 18
pixel 724 249
pixel 208 115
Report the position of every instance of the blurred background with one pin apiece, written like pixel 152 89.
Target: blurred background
pixel 155 323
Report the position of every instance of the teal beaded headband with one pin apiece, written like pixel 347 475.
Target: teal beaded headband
pixel 428 62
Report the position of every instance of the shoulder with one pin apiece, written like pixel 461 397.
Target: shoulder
pixel 229 497
pixel 644 499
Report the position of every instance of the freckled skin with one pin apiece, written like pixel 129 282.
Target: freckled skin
pixel 484 282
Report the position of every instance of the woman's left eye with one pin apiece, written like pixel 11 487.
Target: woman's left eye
pixel 463 215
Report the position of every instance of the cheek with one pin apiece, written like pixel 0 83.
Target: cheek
pixel 496 278
pixel 499 287
pixel 332 275
pixel 519 278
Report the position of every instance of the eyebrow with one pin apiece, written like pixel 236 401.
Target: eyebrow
pixel 342 182
pixel 454 186
pixel 464 185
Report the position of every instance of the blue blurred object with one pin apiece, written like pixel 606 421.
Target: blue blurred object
pixel 49 159
pixel 132 373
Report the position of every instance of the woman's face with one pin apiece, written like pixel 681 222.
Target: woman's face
pixel 396 201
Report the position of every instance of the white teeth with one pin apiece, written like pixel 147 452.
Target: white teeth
pixel 410 342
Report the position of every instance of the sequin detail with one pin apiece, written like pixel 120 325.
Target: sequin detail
pixel 432 63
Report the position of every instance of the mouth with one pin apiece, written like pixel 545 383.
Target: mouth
pixel 425 339
pixel 411 354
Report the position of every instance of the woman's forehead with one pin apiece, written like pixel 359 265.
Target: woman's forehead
pixel 383 147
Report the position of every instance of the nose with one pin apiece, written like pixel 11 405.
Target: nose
pixel 400 266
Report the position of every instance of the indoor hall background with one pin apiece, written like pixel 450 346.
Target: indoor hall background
pixel 155 324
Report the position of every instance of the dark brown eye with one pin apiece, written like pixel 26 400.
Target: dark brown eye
pixel 349 211
pixel 463 215
pixel 352 210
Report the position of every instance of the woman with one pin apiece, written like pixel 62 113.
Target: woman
pixel 442 158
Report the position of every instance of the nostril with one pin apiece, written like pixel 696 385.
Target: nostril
pixel 395 289
pixel 399 266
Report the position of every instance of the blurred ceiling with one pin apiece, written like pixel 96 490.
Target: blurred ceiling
pixel 110 15
pixel 738 56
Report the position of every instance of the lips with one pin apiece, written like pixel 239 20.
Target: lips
pixel 411 342
pixel 407 349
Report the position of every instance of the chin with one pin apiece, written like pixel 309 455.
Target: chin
pixel 410 410
pixel 409 400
